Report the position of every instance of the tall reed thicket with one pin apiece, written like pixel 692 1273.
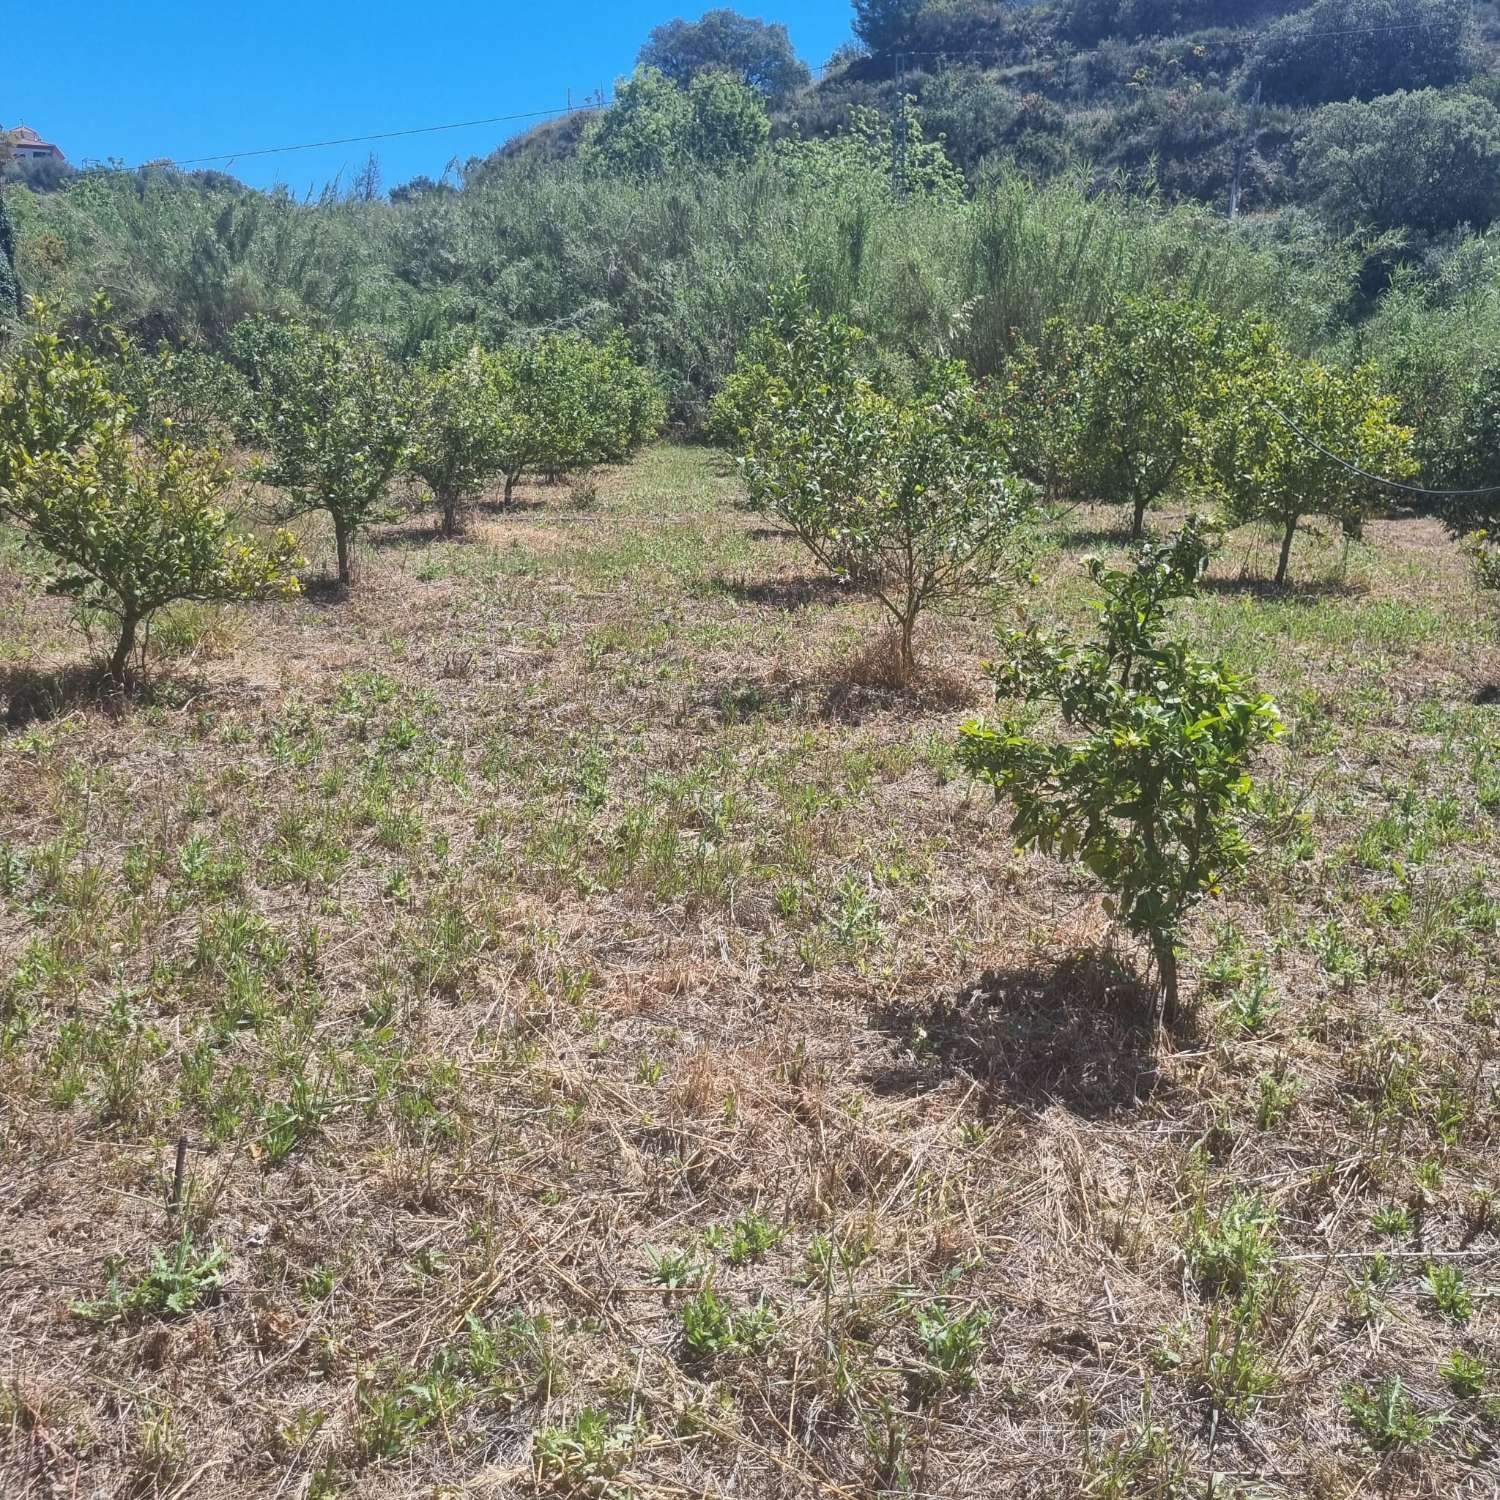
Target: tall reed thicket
pixel 681 262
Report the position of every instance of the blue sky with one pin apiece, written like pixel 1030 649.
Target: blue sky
pixel 181 78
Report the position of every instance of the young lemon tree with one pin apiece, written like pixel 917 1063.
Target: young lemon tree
pixel 567 403
pixel 1043 392
pixel 1293 438
pixel 908 496
pixel 333 415
pixel 628 405
pixel 131 524
pixel 1146 794
pixel 460 432
pixel 1143 380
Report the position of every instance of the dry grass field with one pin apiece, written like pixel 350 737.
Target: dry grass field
pixel 619 1054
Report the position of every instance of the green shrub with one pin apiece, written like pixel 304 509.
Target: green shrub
pixel 1484 552
pixel 1147 799
pixel 906 495
pixel 10 285
pixel 1043 395
pixel 131 526
pixel 334 416
pixel 1293 438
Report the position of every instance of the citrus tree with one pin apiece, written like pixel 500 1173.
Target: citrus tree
pixel 460 432
pixel 1042 394
pixel 1146 794
pixel 567 403
pixel 1293 438
pixel 333 415
pixel 787 356
pixel 130 524
pixel 1142 383
pixel 626 403
pixel 907 495
pixel 189 393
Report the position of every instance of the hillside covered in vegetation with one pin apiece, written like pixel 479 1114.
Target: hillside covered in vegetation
pixel 1088 148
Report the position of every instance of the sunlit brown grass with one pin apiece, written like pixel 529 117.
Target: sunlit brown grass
pixel 581 914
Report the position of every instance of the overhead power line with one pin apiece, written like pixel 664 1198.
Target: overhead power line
pixel 602 103
pixel 1394 484
pixel 386 135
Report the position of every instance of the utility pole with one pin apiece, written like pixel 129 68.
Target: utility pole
pixel 1244 149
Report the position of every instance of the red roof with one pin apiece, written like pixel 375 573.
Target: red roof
pixel 24 135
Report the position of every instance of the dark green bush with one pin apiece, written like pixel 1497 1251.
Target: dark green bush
pixel 1424 161
pixel 1359 49
pixel 758 53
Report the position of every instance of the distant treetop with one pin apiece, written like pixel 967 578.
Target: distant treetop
pixel 723 41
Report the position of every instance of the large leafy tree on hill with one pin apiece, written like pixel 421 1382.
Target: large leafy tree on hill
pixel 1360 49
pixel 654 125
pixel 758 53
pixel 1421 160
pixel 885 26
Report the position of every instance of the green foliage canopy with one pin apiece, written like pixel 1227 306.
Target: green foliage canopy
pixel 1359 49
pixel 1294 438
pixel 132 525
pixel 567 403
pixel 1112 413
pixel 905 494
pixel 1425 161
pixel 654 125
pixel 460 430
pixel 1148 797
pixel 10 285
pixel 333 414
pixel 758 53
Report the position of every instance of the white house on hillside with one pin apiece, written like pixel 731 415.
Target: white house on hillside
pixel 27 145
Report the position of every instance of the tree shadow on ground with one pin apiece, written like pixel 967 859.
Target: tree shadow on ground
pixel 1487 696
pixel 1097 536
pixel 787 593
pixel 413 535
pixel 867 686
pixel 1308 591
pixel 37 695
pixel 325 590
pixel 517 505
pixel 1078 1031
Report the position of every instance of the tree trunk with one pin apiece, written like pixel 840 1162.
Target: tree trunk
pixel 1166 973
pixel 1138 524
pixel 510 485
pixel 451 525
pixel 1286 550
pixel 908 656
pixel 124 647
pixel 343 540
